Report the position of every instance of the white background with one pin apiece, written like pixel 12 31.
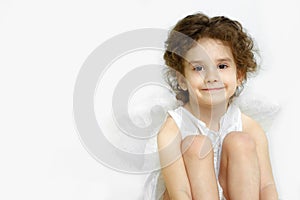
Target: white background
pixel 42 47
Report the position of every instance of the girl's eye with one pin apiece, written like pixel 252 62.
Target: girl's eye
pixel 222 66
pixel 198 68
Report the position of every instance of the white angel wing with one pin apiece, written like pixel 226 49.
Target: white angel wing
pixel 259 107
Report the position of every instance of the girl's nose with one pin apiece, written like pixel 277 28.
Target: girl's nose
pixel 211 76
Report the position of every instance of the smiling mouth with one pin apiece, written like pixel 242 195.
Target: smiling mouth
pixel 213 89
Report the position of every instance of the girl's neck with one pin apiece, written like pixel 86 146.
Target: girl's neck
pixel 210 115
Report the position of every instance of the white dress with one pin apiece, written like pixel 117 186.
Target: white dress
pixel 188 124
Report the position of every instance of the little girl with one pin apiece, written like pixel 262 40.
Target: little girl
pixel 208 149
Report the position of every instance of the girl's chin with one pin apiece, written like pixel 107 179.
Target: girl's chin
pixel 214 102
pixel 211 100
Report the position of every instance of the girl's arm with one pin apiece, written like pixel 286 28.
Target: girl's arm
pixel 173 168
pixel 267 188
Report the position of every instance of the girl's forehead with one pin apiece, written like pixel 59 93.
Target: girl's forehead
pixel 209 50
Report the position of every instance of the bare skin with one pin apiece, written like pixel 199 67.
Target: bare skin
pixel 239 174
pixel 200 167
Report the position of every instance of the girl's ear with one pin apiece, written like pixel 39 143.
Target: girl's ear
pixel 181 81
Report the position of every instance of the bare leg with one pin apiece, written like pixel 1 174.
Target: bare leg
pixel 239 170
pixel 198 158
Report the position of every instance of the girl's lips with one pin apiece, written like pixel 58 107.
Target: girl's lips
pixel 213 89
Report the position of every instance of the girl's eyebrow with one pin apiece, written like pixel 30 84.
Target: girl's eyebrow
pixel 225 59
pixel 196 62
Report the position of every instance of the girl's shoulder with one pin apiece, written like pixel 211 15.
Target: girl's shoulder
pixel 249 124
pixel 253 128
pixel 168 132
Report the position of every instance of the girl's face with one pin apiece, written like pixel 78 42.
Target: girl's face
pixel 210 73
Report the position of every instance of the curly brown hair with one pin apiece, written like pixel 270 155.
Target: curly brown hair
pixel 194 27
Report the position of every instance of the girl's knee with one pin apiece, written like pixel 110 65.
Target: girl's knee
pixel 196 145
pixel 239 142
